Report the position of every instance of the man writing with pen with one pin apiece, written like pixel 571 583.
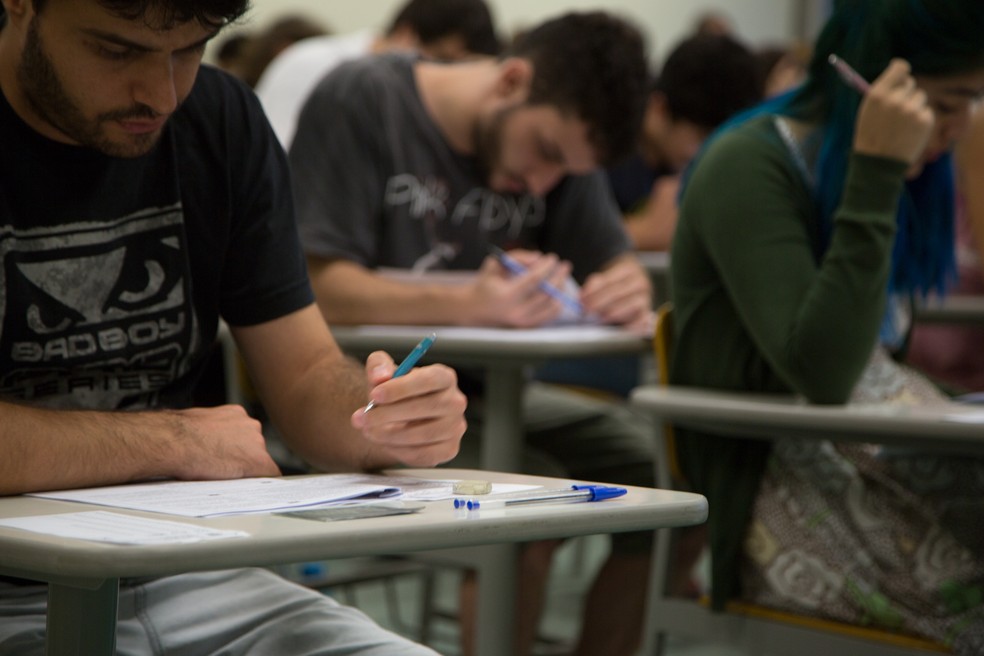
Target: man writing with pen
pixel 412 164
pixel 143 197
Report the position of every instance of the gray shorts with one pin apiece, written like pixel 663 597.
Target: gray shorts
pixel 243 611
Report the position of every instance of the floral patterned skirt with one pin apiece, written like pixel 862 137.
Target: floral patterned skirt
pixel 873 536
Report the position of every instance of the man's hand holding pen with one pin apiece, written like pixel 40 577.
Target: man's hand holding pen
pixel 418 417
pixel 523 289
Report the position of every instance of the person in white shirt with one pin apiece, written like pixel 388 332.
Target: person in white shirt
pixel 446 30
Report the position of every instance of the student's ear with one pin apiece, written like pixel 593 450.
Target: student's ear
pixel 657 117
pixel 514 79
pixel 658 106
pixel 18 10
pixel 17 7
pixel 403 37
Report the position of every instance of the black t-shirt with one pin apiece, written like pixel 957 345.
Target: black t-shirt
pixel 114 272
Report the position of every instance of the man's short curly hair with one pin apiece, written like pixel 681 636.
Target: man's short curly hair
pixel 165 14
pixel 591 65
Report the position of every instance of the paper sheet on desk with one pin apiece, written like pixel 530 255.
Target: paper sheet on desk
pixel 244 495
pixel 252 495
pixel 413 488
pixel 106 526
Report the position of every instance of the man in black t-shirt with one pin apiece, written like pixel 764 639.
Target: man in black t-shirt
pixel 143 197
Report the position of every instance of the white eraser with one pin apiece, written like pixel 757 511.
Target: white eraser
pixel 472 487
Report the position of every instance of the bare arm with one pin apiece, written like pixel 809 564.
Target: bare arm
pixel 348 293
pixel 315 395
pixel 970 169
pixel 60 449
pixel 652 227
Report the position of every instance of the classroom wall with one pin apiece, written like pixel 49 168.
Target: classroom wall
pixel 665 22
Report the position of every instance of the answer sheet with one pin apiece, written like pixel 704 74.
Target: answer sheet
pixel 242 495
pixel 117 528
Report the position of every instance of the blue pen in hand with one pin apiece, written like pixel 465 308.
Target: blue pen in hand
pixel 408 362
pixel 518 269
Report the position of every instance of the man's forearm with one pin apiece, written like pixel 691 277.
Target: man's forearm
pixel 349 294
pixel 314 417
pixel 55 449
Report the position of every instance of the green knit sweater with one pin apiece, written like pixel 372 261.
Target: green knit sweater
pixel 756 308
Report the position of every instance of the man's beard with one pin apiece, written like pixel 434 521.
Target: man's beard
pixel 50 101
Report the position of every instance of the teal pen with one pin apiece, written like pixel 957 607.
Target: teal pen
pixel 408 362
pixel 518 269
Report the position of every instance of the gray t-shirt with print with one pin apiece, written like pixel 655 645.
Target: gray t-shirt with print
pixel 376 183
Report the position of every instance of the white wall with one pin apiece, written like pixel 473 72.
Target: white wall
pixel 664 22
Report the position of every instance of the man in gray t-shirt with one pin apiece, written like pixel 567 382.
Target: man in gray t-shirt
pixel 418 165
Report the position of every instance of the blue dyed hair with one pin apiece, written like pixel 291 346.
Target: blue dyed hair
pixel 937 38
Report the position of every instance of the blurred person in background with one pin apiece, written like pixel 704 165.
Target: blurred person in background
pixel 705 80
pixel 445 30
pixel 267 43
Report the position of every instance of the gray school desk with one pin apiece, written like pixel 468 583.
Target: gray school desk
pixel 657 265
pixel 951 426
pixel 504 355
pixel 952 309
pixel 84 576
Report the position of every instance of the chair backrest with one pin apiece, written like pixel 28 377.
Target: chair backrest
pixel 662 345
pixel 663 340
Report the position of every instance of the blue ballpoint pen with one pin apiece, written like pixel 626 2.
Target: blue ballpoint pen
pixel 518 269
pixel 572 494
pixel 409 361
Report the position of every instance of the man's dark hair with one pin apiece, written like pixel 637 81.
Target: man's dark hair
pixel 433 20
pixel 593 66
pixel 707 78
pixel 165 14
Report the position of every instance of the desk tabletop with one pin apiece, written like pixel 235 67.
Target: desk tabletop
pixel 491 344
pixel 947 426
pixel 952 309
pixel 656 262
pixel 275 539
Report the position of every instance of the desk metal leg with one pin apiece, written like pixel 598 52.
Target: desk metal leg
pixel 501 451
pixel 502 443
pixel 82 621
pixel 496 600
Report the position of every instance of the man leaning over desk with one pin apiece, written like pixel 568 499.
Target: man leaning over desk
pixel 141 197
pixel 401 162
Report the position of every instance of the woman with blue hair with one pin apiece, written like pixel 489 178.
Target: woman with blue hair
pixel 807 226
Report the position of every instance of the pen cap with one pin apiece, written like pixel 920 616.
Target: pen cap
pixel 601 492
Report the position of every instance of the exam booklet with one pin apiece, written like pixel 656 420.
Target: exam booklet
pixel 243 495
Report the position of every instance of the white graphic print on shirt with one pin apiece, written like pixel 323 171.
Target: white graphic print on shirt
pixel 95 314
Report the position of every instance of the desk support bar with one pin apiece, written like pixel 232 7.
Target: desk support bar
pixel 91 632
pixel 501 450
